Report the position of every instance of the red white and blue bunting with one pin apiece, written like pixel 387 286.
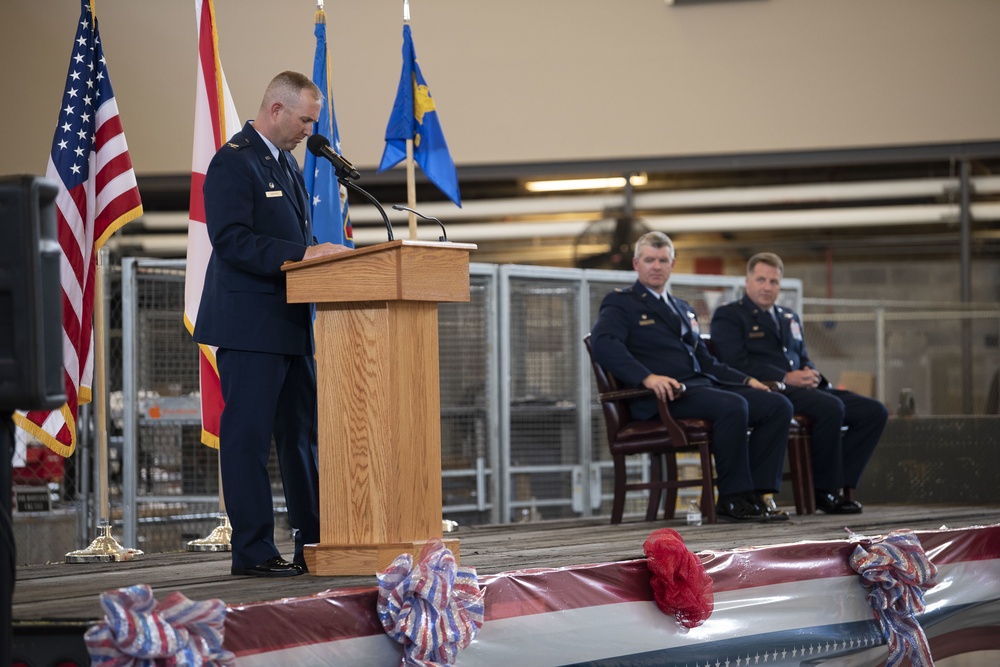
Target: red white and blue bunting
pixel 137 631
pixel 896 571
pixel 433 608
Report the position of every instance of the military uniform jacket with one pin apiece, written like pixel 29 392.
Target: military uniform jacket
pixel 257 218
pixel 634 337
pixel 747 338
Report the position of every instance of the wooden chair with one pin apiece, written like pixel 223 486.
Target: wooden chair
pixel 662 440
pixel 800 465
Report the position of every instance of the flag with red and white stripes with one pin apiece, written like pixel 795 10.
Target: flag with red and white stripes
pixel 215 118
pixel 97 195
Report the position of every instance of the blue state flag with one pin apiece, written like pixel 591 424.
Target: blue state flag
pixel 330 216
pixel 415 117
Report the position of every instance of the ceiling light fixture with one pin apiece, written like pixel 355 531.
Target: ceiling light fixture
pixel 584 183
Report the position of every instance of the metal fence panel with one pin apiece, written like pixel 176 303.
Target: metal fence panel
pixel 545 458
pixel 469 455
pixel 172 483
pixel 918 358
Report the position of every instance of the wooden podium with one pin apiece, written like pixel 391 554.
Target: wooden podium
pixel 379 397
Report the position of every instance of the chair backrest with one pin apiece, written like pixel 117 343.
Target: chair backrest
pixel 616 413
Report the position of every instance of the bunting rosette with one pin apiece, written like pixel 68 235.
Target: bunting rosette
pixel 139 632
pixel 681 587
pixel 896 570
pixel 434 608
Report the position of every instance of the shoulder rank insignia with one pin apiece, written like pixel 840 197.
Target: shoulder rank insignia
pixel 238 142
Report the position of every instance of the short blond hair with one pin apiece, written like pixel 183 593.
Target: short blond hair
pixel 653 240
pixel 286 88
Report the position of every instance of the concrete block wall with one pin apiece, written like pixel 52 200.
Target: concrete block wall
pixel 903 279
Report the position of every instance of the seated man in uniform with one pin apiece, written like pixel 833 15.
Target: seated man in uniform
pixel 764 339
pixel 645 336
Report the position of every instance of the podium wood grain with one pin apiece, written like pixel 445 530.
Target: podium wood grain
pixel 379 398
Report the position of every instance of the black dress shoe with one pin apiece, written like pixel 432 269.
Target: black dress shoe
pixel 836 503
pixel 739 509
pixel 850 506
pixel 272 567
pixel 771 511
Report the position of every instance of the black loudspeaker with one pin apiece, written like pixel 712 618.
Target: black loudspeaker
pixel 31 358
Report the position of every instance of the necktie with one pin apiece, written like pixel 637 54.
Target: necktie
pixel 288 169
pixel 675 311
pixel 290 175
pixel 683 330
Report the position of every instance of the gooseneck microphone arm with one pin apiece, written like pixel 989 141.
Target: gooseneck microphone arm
pixel 444 234
pixel 351 185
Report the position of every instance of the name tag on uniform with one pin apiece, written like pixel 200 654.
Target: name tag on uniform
pixel 273 193
pixel 756 334
pixel 645 322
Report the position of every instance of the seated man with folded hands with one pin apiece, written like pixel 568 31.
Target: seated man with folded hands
pixel 761 338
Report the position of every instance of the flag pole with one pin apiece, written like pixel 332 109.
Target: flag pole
pixel 220 539
pixel 411 172
pixel 104 549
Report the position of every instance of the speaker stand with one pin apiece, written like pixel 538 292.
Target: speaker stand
pixel 8 564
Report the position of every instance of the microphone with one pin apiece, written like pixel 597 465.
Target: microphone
pixel 319 146
pixel 444 234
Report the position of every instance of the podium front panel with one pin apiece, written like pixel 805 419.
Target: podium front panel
pixel 379 431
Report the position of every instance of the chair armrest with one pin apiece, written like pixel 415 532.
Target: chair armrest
pixel 634 392
pixel 677 435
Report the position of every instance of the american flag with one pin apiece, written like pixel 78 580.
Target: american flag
pixel 97 196
pixel 215 119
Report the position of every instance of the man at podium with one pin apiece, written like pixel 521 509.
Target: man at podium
pixel 257 216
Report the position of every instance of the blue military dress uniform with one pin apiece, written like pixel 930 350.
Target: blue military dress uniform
pixel 257 217
pixel 748 338
pixel 638 334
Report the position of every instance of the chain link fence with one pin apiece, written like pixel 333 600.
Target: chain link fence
pixel 919 358
pixel 523 437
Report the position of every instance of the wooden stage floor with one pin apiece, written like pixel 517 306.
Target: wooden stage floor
pixel 69 593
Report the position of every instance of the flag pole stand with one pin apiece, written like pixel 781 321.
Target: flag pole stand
pixel 104 549
pixel 220 538
pixel 217 540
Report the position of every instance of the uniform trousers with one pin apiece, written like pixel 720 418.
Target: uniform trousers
pixel 268 394
pixel 742 463
pixel 839 458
